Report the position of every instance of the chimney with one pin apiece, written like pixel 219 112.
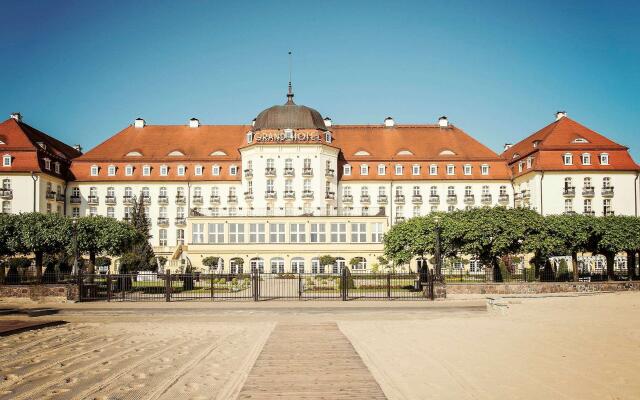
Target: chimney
pixel 253 122
pixel 443 122
pixel 389 122
pixel 194 123
pixel 560 114
pixel 507 146
pixel 139 123
pixel 17 116
pixel 78 147
pixel 327 122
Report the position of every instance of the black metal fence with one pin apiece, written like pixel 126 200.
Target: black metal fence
pixel 524 275
pixel 30 277
pixel 255 286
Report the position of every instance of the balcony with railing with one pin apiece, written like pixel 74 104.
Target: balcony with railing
pixel 248 173
pixel 347 198
pixel 270 195
pixel 60 197
pixel 588 191
pixel 197 200
pixel 503 198
pixel 569 212
pixel 50 195
pixel 399 199
pixel 329 195
pixel 180 221
pixel 163 200
pixel 127 200
pixel 365 198
pixel 416 199
pixel 469 199
pixel 307 194
pixel 93 200
pixel 608 213
pixel 607 191
pixel 399 219
pixel 163 221
pixel 329 173
pixel 569 191
pixel 181 200
pixel 589 212
pixel 452 199
pixel 146 200
pixel 110 200
pixel 526 194
pixel 434 199
pixel 383 199
pixel 214 199
pixel 517 196
pixel 289 195
pixel 248 195
pixel 232 199
pixel 486 199
pixel 307 172
pixel 289 172
pixel 6 194
pixel 270 172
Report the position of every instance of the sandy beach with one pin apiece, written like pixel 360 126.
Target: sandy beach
pixel 565 347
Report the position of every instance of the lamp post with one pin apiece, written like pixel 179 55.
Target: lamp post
pixel 438 251
pixel 74 224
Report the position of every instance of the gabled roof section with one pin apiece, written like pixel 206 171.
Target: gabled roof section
pixel 157 142
pixel 20 136
pixel 409 142
pixel 561 135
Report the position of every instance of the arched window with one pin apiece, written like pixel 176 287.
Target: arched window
pixel 277 265
pixel 257 264
pixel 297 265
pixel 236 265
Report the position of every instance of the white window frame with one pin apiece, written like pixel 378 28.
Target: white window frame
pixel 338 232
pixel 364 169
pixel 585 158
pixel 56 167
pixel 567 159
pixel 484 169
pixel 467 169
pixel 318 233
pixel 146 170
pixel 433 169
pixel 233 170
pixel 257 232
pixel 47 164
pixel 197 233
pixel 198 170
pixel 128 170
pixel 215 170
pixel 377 232
pixel 164 170
pixel 111 170
pixel 277 232
pixel 94 170
pixel 236 232
pixel 358 232
pixel 415 169
pixel 451 169
pixel 297 233
pixel 346 169
pixel 399 169
pixel 604 158
pixel 181 170
pixel 382 169
pixel 6 160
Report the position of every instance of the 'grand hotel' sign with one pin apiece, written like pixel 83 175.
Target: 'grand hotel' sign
pixel 283 137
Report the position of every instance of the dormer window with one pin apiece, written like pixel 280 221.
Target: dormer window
pixel 433 169
pixel 327 137
pixel 94 170
pixel 484 169
pixel 604 159
pixel 346 169
pixel 467 169
pixel 415 169
pixel 568 159
pixel 529 162
pixel 111 170
pixel 164 170
pixel 146 170
pixel 249 137
pixel 6 160
pixel 233 170
pixel 364 169
pixel 215 170
pixel 47 164
pixel 181 170
pixel 382 169
pixel 56 167
pixel 580 140
pixel 586 159
pixel 288 134
pixel 520 165
pixel 451 169
pixel 399 169
pixel 128 170
pixel 536 143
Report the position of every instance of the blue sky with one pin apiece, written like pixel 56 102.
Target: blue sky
pixel 83 70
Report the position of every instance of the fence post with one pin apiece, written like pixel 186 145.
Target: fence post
pixel 80 285
pixel 211 285
pixel 299 286
pixel 344 283
pixel 254 279
pixel 108 286
pixel 388 285
pixel 167 286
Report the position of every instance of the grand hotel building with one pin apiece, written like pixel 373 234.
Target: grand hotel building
pixel 291 186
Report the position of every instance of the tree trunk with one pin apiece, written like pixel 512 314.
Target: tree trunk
pixel 574 260
pixel 497 272
pixel 631 264
pixel 39 256
pixel 610 257
pixel 92 259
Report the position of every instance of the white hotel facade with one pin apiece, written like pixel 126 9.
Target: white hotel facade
pixel 291 186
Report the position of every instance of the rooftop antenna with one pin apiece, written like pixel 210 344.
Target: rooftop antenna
pixel 290 93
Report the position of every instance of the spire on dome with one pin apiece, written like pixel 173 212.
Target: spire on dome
pixel 290 93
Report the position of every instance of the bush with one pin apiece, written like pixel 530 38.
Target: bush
pixel 19 262
pixel 563 271
pixel 103 262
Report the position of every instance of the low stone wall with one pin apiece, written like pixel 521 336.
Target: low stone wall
pixel 40 292
pixel 541 287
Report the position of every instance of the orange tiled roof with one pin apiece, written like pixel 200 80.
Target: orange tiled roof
pixel 559 138
pixel 23 143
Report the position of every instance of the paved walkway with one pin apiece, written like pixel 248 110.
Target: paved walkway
pixel 309 361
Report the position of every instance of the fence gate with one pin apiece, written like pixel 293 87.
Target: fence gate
pixel 255 286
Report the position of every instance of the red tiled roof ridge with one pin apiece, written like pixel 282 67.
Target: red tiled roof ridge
pixel 34 136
